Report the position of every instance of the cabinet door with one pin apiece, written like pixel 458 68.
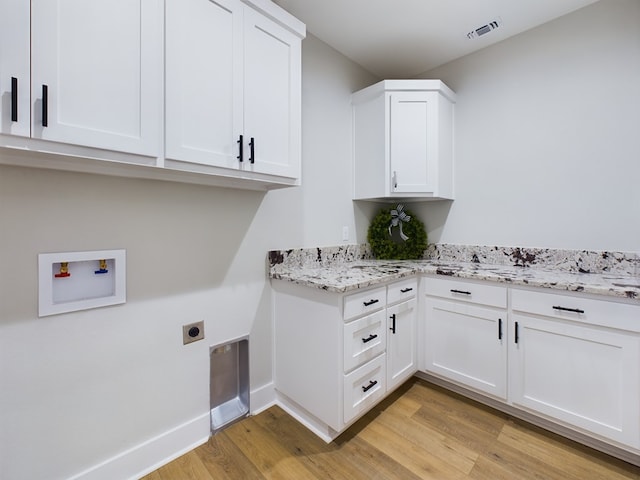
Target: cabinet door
pixel 467 344
pixel 272 91
pixel 15 86
pixel 401 343
pixel 585 376
pixel 204 81
pixel 97 73
pixel 413 141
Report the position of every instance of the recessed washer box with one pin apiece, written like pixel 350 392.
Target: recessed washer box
pixel 71 281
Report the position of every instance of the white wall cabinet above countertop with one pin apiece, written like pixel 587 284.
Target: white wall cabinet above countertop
pixel 403 141
pixel 68 103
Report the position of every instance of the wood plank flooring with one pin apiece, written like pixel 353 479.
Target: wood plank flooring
pixel 420 432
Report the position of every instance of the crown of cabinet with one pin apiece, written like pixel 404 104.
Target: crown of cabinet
pixel 403 141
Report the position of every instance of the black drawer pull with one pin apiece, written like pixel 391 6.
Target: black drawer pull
pixel 14 99
pixel 499 329
pixel 564 309
pixel 371 302
pixel 369 338
pixel 45 105
pixel 405 290
pixel 240 142
pixel 372 383
pixel 460 291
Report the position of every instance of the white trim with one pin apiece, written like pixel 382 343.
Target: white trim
pixel 150 455
pixel 262 398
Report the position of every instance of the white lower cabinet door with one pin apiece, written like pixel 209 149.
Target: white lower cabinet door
pixel 584 376
pixel 401 343
pixel 363 388
pixel 467 344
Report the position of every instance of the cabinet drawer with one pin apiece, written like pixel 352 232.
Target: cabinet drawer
pixel 365 302
pixel 491 295
pixel 364 339
pixel 578 309
pixel 399 291
pixel 363 388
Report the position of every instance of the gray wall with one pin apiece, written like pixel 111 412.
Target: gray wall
pixel 548 136
pixel 80 388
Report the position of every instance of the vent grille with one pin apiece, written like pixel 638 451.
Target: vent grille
pixel 484 29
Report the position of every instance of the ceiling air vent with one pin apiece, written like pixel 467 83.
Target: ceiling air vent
pixel 483 30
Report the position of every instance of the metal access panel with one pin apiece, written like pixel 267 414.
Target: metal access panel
pixel 229 383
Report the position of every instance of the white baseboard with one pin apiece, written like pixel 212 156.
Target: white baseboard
pixel 262 398
pixel 162 449
pixel 152 454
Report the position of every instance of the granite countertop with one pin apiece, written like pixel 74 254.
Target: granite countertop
pixel 349 276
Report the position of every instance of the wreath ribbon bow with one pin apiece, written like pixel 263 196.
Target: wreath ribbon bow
pixel 397 217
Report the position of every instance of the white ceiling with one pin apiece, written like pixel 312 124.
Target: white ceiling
pixel 403 38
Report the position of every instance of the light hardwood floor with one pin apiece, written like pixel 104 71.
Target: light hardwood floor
pixel 420 431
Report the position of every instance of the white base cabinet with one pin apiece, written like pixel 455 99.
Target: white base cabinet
pixel 466 334
pixel 337 355
pixel 574 367
pixel 568 359
pixel 401 341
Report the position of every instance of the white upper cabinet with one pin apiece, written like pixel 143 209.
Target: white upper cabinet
pixel 204 81
pixel 272 102
pixel 403 140
pixel 199 91
pixel 14 67
pixel 96 77
pixel 233 88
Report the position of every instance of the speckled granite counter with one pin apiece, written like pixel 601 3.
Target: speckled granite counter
pixel 343 269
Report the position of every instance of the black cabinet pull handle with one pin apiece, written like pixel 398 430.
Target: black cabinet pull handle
pixel 405 290
pixel 372 383
pixel 393 323
pixel 252 150
pixel 369 338
pixel 14 99
pixel 564 309
pixel 499 329
pixel 517 337
pixel 240 142
pixel 463 292
pixel 371 302
pixel 45 105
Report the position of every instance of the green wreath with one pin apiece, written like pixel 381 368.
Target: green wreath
pixel 397 234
